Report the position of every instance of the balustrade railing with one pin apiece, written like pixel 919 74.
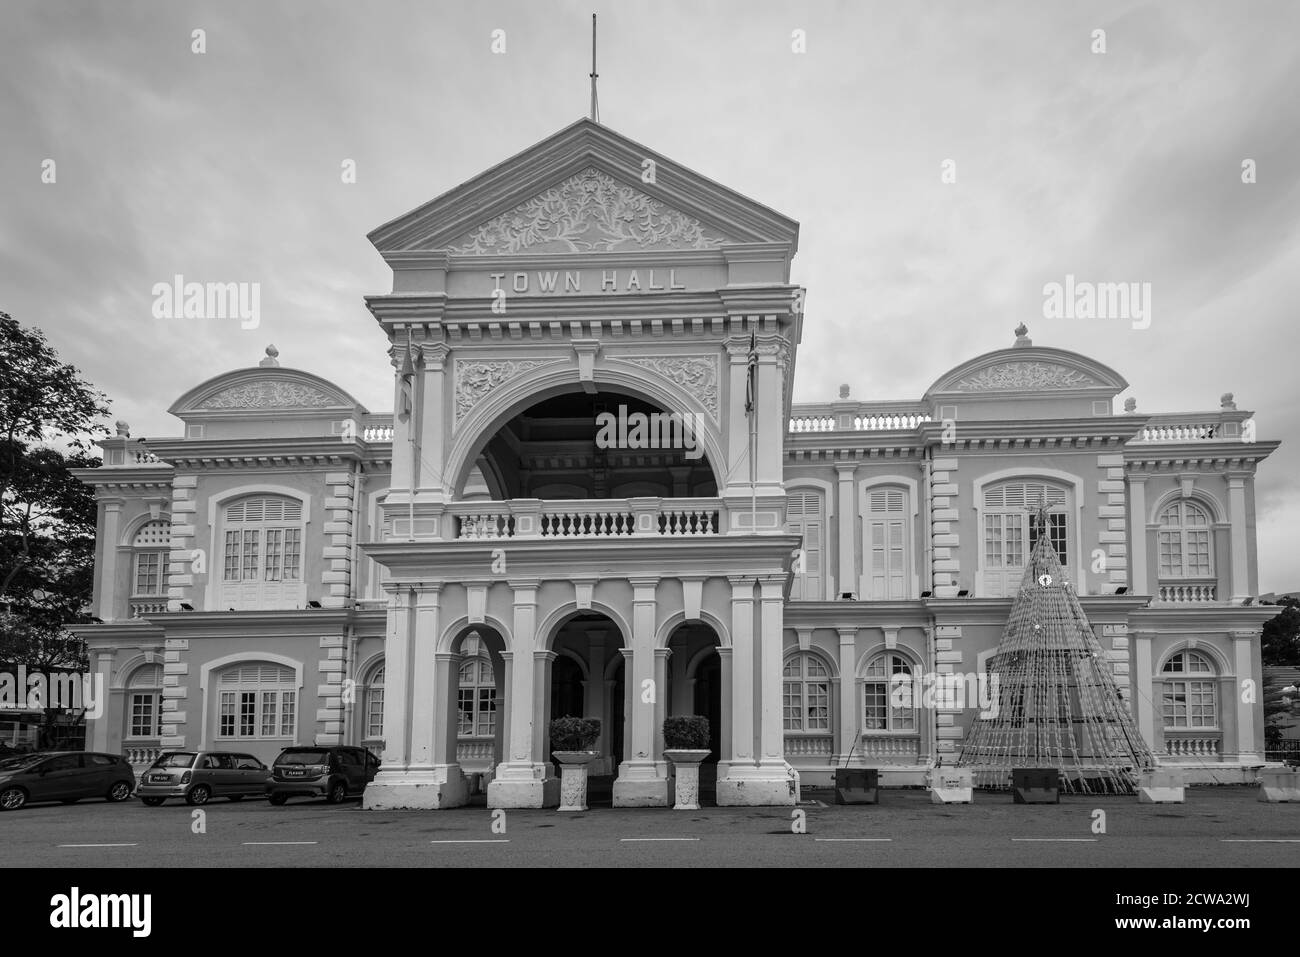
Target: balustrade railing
pixel 809 746
pixel 1186 593
pixel 141 755
pixel 858 417
pixel 1192 745
pixel 588 518
pixel 890 748
pixel 148 606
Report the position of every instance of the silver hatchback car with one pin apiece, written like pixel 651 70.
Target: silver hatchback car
pixel 198 776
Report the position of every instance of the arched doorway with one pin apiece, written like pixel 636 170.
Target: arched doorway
pixel 479 706
pixel 587 682
pixel 695 688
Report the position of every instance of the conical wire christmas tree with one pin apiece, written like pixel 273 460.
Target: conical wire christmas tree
pixel 1057 702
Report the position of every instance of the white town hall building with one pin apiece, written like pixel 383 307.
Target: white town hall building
pixel 437 583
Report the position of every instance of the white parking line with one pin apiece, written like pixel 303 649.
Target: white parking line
pixel 854 840
pixel 98 845
pixel 276 843
pixel 1259 840
pixel 644 840
pixel 503 840
pixel 1056 840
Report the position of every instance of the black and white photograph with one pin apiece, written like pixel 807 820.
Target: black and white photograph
pixel 852 443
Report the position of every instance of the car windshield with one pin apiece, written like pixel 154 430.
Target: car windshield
pixel 179 760
pixel 20 762
pixel 303 757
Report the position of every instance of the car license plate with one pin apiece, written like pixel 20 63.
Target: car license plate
pixel 160 778
pixel 294 773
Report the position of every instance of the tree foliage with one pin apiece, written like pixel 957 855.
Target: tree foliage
pixel 1280 638
pixel 49 419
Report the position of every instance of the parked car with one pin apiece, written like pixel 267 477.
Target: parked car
pixel 335 773
pixel 198 776
pixel 66 776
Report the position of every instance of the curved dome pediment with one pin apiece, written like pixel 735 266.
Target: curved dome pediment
pixel 1028 370
pixel 261 390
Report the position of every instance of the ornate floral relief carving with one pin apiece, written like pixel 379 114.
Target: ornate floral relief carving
pixel 1025 375
pixel 588 212
pixel 476 378
pixel 695 375
pixel 269 394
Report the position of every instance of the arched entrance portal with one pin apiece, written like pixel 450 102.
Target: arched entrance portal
pixel 695 687
pixel 479 706
pixel 587 682
pixel 580 446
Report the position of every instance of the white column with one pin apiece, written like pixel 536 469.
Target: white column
pixel 662 656
pixel 1143 684
pixel 771 726
pixel 742 672
pixel 426 698
pixel 643 778
pixel 1237 515
pixel 1137 526
pixel 770 400
pixel 593 696
pixel 429 442
pixel 397 680
pixel 1247 713
pixel 522 779
pixel 446 666
pixel 736 423
pixel 99 727
pixel 846 577
pixel 848 695
pixel 108 560
pixel 543 661
pixel 724 733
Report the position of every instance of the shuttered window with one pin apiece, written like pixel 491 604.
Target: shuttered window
pixel 257 701
pixel 1010 534
pixel 886 541
pixel 262 556
pixel 805 517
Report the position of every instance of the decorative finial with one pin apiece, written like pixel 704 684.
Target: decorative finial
pixel 270 360
pixel 123 429
pixel 1022 336
pixel 1225 401
pixel 1130 404
pixel 844 391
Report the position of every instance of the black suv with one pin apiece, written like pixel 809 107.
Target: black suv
pixel 334 772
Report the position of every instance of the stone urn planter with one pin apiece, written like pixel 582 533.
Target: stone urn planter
pixel 686 745
pixel 572 739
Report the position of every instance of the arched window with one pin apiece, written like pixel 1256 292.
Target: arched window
pixel 807 694
pixel 805 516
pixel 144 697
pixel 886 542
pixel 151 546
pixel 477 699
pixel 1184 537
pixel 886 705
pixel 1010 532
pixel 262 557
pixel 374 721
pixel 257 701
pixel 1190 693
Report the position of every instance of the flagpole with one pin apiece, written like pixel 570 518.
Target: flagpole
pixel 410 438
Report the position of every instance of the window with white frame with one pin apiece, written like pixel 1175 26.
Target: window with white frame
pixel 151 546
pixel 886 541
pixel 805 517
pixel 144 702
pixel 1185 540
pixel 884 710
pixel 1010 531
pixel 1191 698
pixel 262 553
pixel 257 701
pixel 375 704
pixel 477 699
pixel 806 698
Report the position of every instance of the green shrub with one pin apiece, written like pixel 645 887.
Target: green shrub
pixel 687 733
pixel 574 734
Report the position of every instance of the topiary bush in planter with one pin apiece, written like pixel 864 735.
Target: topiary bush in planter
pixel 686 732
pixel 574 734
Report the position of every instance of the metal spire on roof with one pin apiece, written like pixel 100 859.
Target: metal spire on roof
pixel 595 108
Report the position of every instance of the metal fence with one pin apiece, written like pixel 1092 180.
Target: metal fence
pixel 1286 750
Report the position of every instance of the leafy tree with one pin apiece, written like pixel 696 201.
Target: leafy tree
pixel 1281 707
pixel 49 418
pixel 1280 638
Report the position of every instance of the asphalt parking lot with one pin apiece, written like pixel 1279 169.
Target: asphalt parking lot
pixel 1221 827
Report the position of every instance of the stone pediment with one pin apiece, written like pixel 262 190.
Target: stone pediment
pixel 587 212
pixel 263 390
pixel 1028 370
pixel 584 189
pixel 268 394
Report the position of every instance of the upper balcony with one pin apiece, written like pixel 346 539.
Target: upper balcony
pixel 851 416
pixel 640 517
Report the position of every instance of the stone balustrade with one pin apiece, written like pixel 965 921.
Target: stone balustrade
pixel 587 518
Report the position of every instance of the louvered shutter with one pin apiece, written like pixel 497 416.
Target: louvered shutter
pixel 804 518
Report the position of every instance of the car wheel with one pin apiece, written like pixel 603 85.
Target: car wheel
pixel 198 794
pixel 11 799
pixel 120 791
pixel 152 801
pixel 338 793
pixel 277 799
pixel 236 797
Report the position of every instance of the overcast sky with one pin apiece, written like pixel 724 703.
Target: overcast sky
pixel 1117 167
